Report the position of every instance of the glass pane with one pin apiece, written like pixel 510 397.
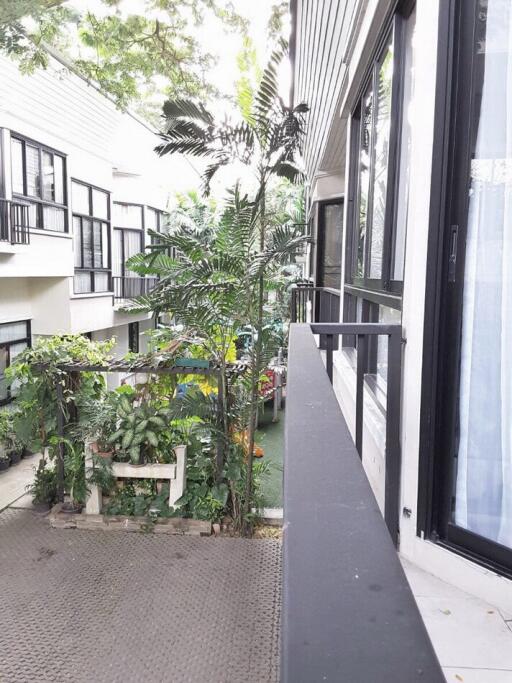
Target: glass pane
pixel 54 218
pixel 151 219
pixel 32 157
pixel 99 204
pixel 364 177
pixel 87 248
pixel 48 181
pixel 33 215
pixel 80 198
pixel 13 331
pixel 483 502
pixel 82 283
pixel 17 166
pixel 58 169
pixel 77 241
pixel 4 355
pixel 117 258
pixel 127 216
pixel 101 282
pixel 96 247
pixel 104 241
pixel 15 350
pixel 405 148
pixel 132 245
pixel 332 242
pixel 381 154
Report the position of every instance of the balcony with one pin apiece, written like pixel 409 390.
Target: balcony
pixel 127 287
pixel 14 223
pixel 348 611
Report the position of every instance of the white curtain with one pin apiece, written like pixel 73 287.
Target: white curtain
pixel 484 464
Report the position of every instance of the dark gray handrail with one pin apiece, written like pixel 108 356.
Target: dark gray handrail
pixel 348 613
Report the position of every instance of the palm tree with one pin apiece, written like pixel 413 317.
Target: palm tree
pixel 268 140
pixel 209 277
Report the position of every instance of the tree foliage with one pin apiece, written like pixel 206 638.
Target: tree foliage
pixel 132 57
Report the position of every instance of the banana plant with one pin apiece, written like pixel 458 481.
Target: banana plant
pixel 139 430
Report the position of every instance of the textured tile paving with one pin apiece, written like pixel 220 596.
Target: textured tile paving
pixel 87 606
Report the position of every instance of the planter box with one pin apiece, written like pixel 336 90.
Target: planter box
pixel 176 526
pixel 174 473
pixel 191 363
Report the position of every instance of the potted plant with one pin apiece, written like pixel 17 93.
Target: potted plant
pixel 5 461
pixel 97 421
pixel 138 429
pixel 5 439
pixel 74 473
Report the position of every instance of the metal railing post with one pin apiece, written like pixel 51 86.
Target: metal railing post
pixel 392 476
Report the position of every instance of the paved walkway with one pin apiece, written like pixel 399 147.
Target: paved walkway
pixel 87 606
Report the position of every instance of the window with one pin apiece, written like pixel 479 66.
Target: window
pixel 128 216
pixel 91 233
pixel 379 166
pixel 378 190
pixel 39 177
pixel 14 338
pixel 128 235
pixel 133 337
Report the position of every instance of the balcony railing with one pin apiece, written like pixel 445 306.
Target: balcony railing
pixel 348 612
pixel 130 287
pixel 314 304
pixel 14 222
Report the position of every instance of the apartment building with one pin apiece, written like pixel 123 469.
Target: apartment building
pixel 80 186
pixel 409 161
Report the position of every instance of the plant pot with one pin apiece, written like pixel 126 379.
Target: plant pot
pixel 4 465
pixel 72 508
pixel 106 455
pixel 25 453
pixel 15 457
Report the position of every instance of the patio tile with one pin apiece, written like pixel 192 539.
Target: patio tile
pixel 467 632
pixel 463 675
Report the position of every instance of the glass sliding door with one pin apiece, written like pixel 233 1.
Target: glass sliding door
pixel 476 391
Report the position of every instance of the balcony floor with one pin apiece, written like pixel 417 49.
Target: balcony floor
pixel 87 606
pixel 472 639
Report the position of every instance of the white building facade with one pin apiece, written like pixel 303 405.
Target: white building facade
pixel 80 186
pixel 408 153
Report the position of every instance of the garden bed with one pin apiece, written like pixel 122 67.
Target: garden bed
pixel 180 526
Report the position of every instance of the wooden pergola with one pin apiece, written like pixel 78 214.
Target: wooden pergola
pixel 161 364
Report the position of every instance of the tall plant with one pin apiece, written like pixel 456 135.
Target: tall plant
pixel 268 140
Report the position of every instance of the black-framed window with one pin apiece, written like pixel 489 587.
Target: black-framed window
pixel 376 227
pixel 14 338
pixel 91 234
pixel 128 235
pixel 39 177
pixel 133 337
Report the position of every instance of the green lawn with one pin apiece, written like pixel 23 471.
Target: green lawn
pixel 270 436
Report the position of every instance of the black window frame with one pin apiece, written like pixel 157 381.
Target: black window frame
pixel 81 216
pixel 383 290
pixel 40 202
pixel 436 475
pixel 122 229
pixel 6 345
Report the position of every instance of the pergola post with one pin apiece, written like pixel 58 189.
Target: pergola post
pixel 60 451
